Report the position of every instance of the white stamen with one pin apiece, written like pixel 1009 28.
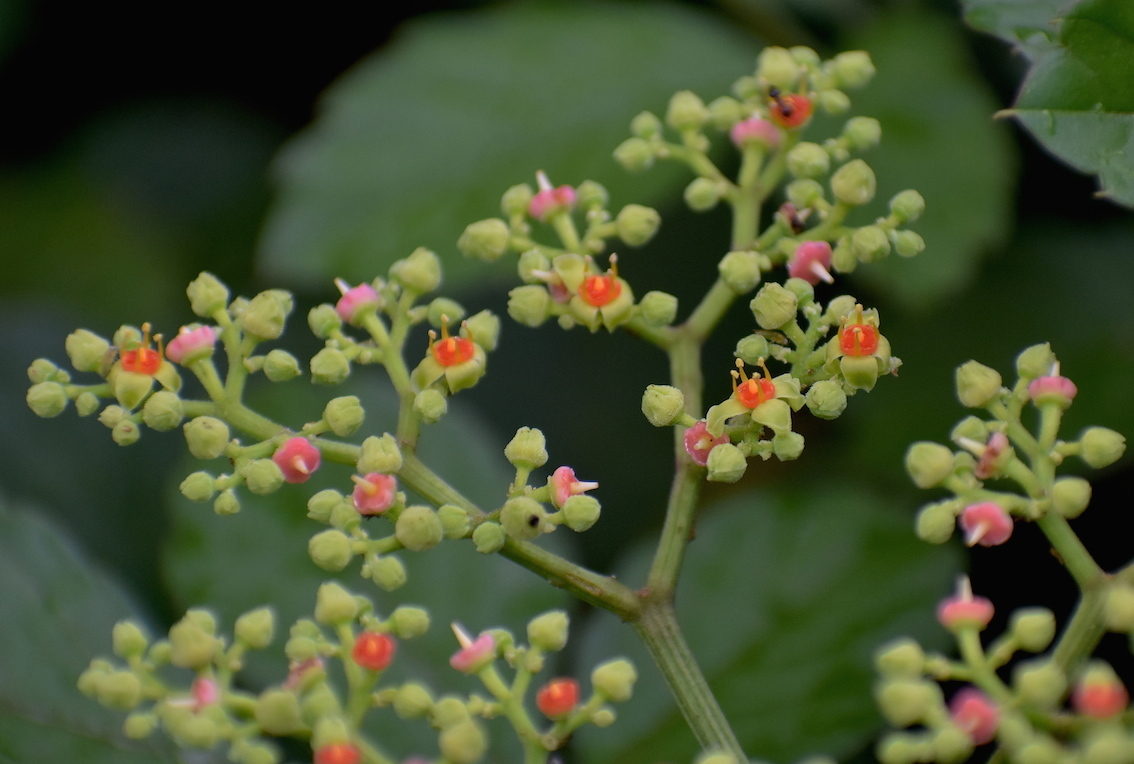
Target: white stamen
pixel 342 285
pixel 822 273
pixel 463 638
pixel 542 181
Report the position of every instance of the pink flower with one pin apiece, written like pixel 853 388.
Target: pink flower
pixel 299 671
pixel 1099 694
pixel 191 344
pixel 698 443
pixel 474 654
pixel 548 200
pixel 990 461
pixel 204 691
pixel 375 493
pixel 564 486
pixel 963 610
pixel 355 301
pixel 755 131
pixel 974 713
pixel 297 459
pixel 986 524
pixel 811 262
pixel 1053 389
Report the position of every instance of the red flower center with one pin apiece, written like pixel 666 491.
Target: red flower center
pixel 373 651
pixel 600 290
pixel 755 391
pixel 143 359
pixel 338 753
pixel 450 351
pixel 558 697
pixel 858 339
pixel 790 110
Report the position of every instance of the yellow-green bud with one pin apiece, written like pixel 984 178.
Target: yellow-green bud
pixel 489 538
pixel 320 506
pixel 785 445
pixel 527 449
pixel 330 549
pixel 548 632
pixel 901 658
pixel 86 350
pixel 752 349
pixel 646 125
pixel 724 112
pixel 206 437
pixel 344 415
pixel 43 370
pixel 686 111
pixel 1039 682
pixel 1118 609
pixel 592 195
pixel 928 463
pixel 833 101
pixel 936 522
pixel 804 193
pixel 485 240
pixel 430 405
pixel 329 366
pixel 658 308
pixel 808 160
pixel 255 628
pixel 853 68
pixel 907 206
pixel 120 690
pixel 862 133
pixel 854 183
pixel 125 433
pixel 637 224
pixel 740 271
pixel 1101 447
pixel 207 294
pixel 826 399
pixel 908 243
pixel 870 244
pixel 463 742
pixel 726 463
pixel 615 679
pixel 516 199
pixel 139 726
pixel 163 411
pixel 254 753
pixel 1039 751
pixel 702 194
pixel 301 648
pixel 412 701
pixel 280 366
pixel 906 701
pixel 716 758
pixel 860 372
pixel 380 454
pixel 773 306
pixel 580 512
pixel 1107 747
pixel 193 644
pixel 334 604
pixel 951 745
pixel 454 521
pixel 418 528
pixel 778 67
pixel 529 305
pixel 261 476
pixel 277 712
pixel 634 154
pixel 388 572
pixel 531 261
pixel 1034 628
pixel 524 518
pixel 484 329
pixel 131 387
pixel 663 405
pixel 226 503
pixel 86 403
pixel 977 384
pixel 443 311
pixel 323 319
pixel 420 272
pixel 129 640
pixel 1070 496
pixel 47 399
pixel 409 622
pixel 266 313
pixel 320 703
pixel 842 258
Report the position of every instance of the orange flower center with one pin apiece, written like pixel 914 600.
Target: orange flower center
pixel 450 351
pixel 858 340
pixel 600 290
pixel 790 110
pixel 752 392
pixel 143 359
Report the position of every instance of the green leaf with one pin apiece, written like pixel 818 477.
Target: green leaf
pixel 938 138
pixel 57 614
pixel 1030 25
pixel 423 138
pixel 783 599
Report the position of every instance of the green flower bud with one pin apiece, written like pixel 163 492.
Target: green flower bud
pixel 531 261
pixel 635 155
pixel 1039 682
pixel 329 366
pixel 1035 362
pixel 485 240
pixel 740 271
pixel 1101 446
pixel 443 311
pixel 853 68
pixel 658 308
pixel 86 403
pixel 826 399
pixel 907 206
pixel 580 512
pixel 418 528
pixel 527 449
pixel 255 628
pixel 330 549
pixel 778 67
pixel 261 476
pixel 977 384
pixel 786 446
pixel 686 111
pixel 120 690
pixel 130 387
pixel 380 455
pixel 129 640
pixel 1040 751
pixel 1034 628
pixel 489 538
pixel 42 370
pixel 344 415
pixel 523 518
pixel 463 742
pixel 86 350
pixel 163 411
pixel 808 160
pixel 277 712
pixel 125 433
pixel 804 193
pixel 226 503
pixel 516 199
pixel 529 305
pixel 663 405
pixel 773 306
pixel 901 658
pixel 637 224
pixel 548 631
pixel 409 622
pixel 951 745
pixel 870 244
pixel 1118 608
pixel 936 522
pixel 928 463
pixel 752 349
pixel 1070 496
pixel 388 572
pixel 47 399
pixel 206 436
pixel 139 726
pixel 207 294
pixel 898 748
pixel 715 758
pixel 726 463
pixel 280 366
pixel 266 313
pixel 322 504
pixel 193 644
pixel 724 112
pixel 833 101
pixel 324 319
pixel 646 125
pixel 908 243
pixel 454 521
pixel 702 194
pixel 430 405
pixel 615 679
pixel 862 133
pixel 592 195
pixel 860 372
pixel 1107 747
pixel 853 183
pixel 906 701
pixel 299 649
pixel 412 701
pixel 334 604
pixel 420 272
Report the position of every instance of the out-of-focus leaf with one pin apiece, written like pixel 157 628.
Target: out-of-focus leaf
pixel 1030 25
pixel 57 614
pixel 423 138
pixel 938 137
pixel 783 600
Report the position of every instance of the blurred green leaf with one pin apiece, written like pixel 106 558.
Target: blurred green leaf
pixel 1030 25
pixel 422 138
pixel 57 614
pixel 784 599
pixel 938 137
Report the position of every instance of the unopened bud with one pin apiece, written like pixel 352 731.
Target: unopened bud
pixel 206 436
pixel 808 160
pixel 637 224
pixel 778 67
pixel 658 308
pixel 908 243
pixel 615 679
pixel 854 183
pixel 262 476
pixel 125 433
pixel 726 463
pixel 804 193
pixel 529 305
pixel 548 632
pixel 329 366
pixel 1039 682
pixel 907 206
pixel 634 154
pixel 906 701
pixel 207 294
pixel 928 463
pixel 330 550
pixel 412 701
pixel 1034 628
pixel 902 658
pixel 740 271
pixel 324 319
pixel 334 604
pixel 255 628
pixel 454 521
pixel 527 449
pixel 129 640
pixel 388 572
pixel 1070 496
pixel 580 512
pixel 523 518
pixel 1118 609
pixel 773 306
pixel 277 712
pixel 833 101
pixel 853 68
pixel 463 742
pixel 47 399
pixel 192 641
pixel 646 125
pixel 226 503
pixel 344 415
pixel 266 313
pixel 409 622
pixel 280 366
pixel 752 349
pixel 379 454
pixel 516 200
pixel 86 350
pixel 1035 362
pixel 485 240
pixel 489 538
pixel 663 405
pixel 702 194
pixel 977 384
pixel 826 399
pixel 936 522
pixel 418 528
pixel 686 111
pixel 1101 446
pixel 862 133
pixel 430 405
pixel 421 271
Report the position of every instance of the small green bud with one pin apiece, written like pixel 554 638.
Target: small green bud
pixel 635 155
pixel 334 604
pixel 193 644
pixel 430 405
pixel 637 224
pixel 752 349
pixel 206 436
pixel 615 679
pixel 785 445
pixel 139 726
pixel 163 411
pixel 936 522
pixel 778 67
pixel 418 528
pixel 388 572
pixel 125 433
pixel 808 160
pixel 226 503
pixel 485 240
pixel 119 690
pixel 1118 608
pixel 908 243
pixel 320 506
pixel 266 313
pixel 854 183
pixel 1070 496
pixel 826 399
pixel 516 199
pixel 581 511
pixel 1039 751
pixel 529 305
pixel 899 748
pixel 454 521
pixel 380 454
pixel 412 701
pixel 906 701
pixel 409 622
pixel 207 294
pixel 740 271
pixel 330 549
pixel 527 449
pixel 862 133
pixel 853 68
pixel 803 291
pixel 726 463
pixel 86 350
pixel 724 112
pixel 255 628
pixel 686 111
pixel 907 206
pixel 344 415
pixel 420 272
pixel 463 742
pixel 703 194
pixel 1034 628
pixel 646 125
pixel 592 195
pixel 324 319
pixel 443 311
pixel 261 476
pixel 773 306
pixel 531 261
pixel 1039 682
pixel 329 366
pixel 870 244
pixel 489 538
pixel 301 648
pixel 130 387
pixel 86 403
pixel 804 193
pixel 47 399
pixel 928 463
pixel 901 658
pixel 1107 747
pixel 842 259
pixel 1101 446
pixel 833 101
pixel 663 405
pixel 280 366
pixel 1035 362
pixel 484 329
pixel 548 631
pixel 277 712
pixel 42 370
pixel 951 745
pixel 658 308
pixel 523 518
pixel 129 640
pixel 977 384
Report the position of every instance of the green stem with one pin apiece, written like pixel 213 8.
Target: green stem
pixel 1073 554
pixel 1083 631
